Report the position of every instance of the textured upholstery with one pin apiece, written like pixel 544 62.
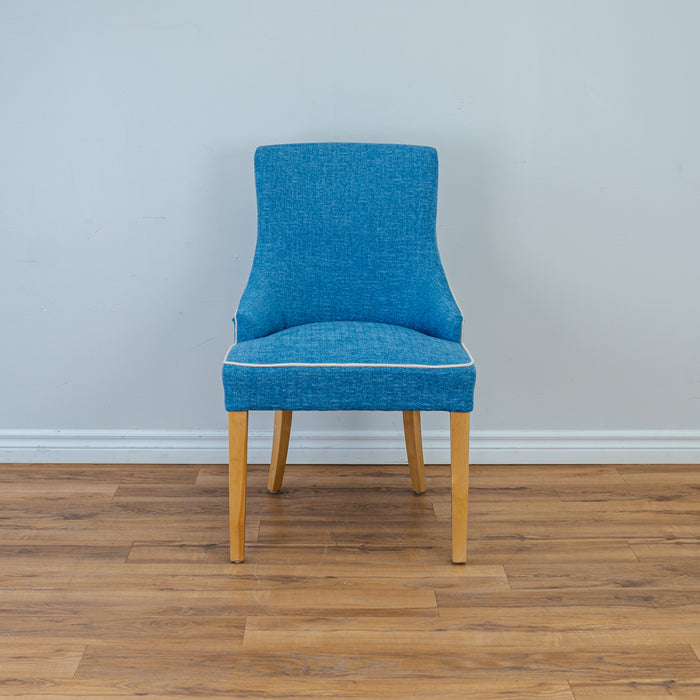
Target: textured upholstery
pixel 350 365
pixel 347 305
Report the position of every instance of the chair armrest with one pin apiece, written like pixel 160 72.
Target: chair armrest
pixel 258 312
pixel 435 311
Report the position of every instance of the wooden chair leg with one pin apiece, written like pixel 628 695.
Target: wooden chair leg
pixel 237 472
pixel 280 445
pixel 459 439
pixel 414 450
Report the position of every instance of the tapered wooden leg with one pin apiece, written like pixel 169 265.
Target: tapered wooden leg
pixel 459 439
pixel 280 445
pixel 237 471
pixel 414 450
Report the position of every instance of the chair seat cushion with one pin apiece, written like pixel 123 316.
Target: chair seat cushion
pixel 347 365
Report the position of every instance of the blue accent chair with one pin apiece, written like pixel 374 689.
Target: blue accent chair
pixel 347 308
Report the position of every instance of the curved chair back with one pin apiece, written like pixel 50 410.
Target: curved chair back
pixel 346 231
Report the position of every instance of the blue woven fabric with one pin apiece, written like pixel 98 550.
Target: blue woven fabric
pixel 349 365
pixel 347 272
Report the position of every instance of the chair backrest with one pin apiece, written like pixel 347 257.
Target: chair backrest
pixel 346 231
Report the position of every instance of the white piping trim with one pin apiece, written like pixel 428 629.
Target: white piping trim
pixel 341 364
pixel 346 364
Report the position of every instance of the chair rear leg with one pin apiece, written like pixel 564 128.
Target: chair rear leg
pixel 459 439
pixel 414 450
pixel 280 446
pixel 237 473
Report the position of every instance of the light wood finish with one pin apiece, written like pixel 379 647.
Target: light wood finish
pixel 459 446
pixel 237 481
pixel 414 450
pixel 280 446
pixel 583 583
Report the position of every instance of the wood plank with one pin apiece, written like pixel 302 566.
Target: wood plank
pixel 652 491
pixel 62 553
pixel 90 625
pixel 248 601
pixel 551 474
pixel 685 575
pixel 453 603
pixel 21 659
pixel 519 550
pixel 612 523
pixel 413 643
pixel 78 474
pixel 515 663
pixel 172 491
pixel 54 489
pixel 113 532
pixel 666 549
pixel 684 474
pixel 520 621
pixel 660 688
pixel 168 686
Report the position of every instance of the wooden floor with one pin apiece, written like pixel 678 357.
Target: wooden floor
pixel 583 582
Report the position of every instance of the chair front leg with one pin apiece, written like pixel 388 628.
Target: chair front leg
pixel 414 450
pixel 459 440
pixel 237 473
pixel 280 446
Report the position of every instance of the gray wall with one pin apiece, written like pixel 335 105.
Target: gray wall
pixel 569 200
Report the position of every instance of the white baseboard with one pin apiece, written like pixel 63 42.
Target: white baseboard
pixel 351 447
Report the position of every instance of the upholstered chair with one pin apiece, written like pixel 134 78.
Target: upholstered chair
pixel 347 308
